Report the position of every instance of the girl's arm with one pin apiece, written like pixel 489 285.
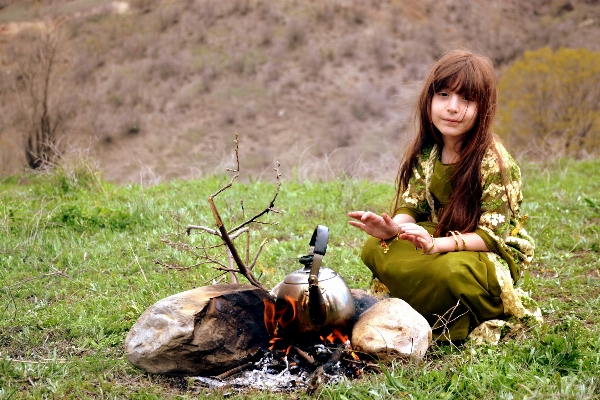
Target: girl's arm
pixel 379 226
pixel 419 237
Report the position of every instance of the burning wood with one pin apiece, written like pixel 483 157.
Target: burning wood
pixel 292 368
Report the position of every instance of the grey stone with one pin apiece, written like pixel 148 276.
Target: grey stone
pixel 202 331
pixel 392 329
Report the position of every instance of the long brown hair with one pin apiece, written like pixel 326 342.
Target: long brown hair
pixel 473 76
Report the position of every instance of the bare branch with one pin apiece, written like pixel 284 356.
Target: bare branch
pixel 219 276
pixel 236 264
pixel 203 228
pixel 232 277
pixel 225 269
pixel 174 266
pixel 243 269
pixel 214 232
pixel 236 170
pixel 257 254
pixel 271 204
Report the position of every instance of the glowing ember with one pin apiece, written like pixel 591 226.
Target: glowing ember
pixel 336 334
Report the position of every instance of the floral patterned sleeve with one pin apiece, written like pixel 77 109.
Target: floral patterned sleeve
pixel 501 225
pixel 414 199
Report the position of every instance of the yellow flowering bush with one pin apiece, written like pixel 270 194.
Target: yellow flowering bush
pixel 549 101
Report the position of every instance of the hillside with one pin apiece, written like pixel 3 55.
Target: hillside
pixel 153 90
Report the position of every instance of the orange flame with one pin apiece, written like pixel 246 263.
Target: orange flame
pixel 269 317
pixel 338 337
pixel 278 315
pixel 287 313
pixel 336 334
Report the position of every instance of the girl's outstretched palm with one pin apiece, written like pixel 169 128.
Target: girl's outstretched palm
pixel 379 226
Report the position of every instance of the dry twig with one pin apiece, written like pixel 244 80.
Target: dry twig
pixel 235 262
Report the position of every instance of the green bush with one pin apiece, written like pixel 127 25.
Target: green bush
pixel 549 102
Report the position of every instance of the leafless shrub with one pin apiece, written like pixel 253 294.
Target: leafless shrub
pixel 41 111
pixel 347 46
pixel 415 62
pixel 132 127
pixel 144 6
pixel 341 128
pixel 169 15
pixel 368 102
pixel 290 82
pixel 251 63
pixel 250 111
pixel 241 7
pixel 192 28
pixel 85 65
pixel 228 115
pixel 265 35
pixel 207 10
pixel 381 48
pixel 207 76
pixel 264 9
pixel 313 60
pixel 487 31
pixel 272 71
pixel 237 63
pixel 296 33
pixel 166 66
pixel 357 12
pixel 134 47
pixel 396 20
pixel 325 13
pixel 6 3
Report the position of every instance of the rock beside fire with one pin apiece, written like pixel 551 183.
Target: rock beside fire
pixel 392 329
pixel 203 331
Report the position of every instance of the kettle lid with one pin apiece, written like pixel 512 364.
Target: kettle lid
pixel 300 277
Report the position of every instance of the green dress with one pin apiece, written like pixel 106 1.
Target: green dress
pixel 457 291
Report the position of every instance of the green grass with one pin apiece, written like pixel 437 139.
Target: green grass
pixel 77 269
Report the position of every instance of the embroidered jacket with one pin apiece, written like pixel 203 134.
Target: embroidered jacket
pixel 500 224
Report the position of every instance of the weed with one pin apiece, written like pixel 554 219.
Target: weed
pixel 296 33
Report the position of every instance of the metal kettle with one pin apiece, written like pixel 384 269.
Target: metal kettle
pixel 313 296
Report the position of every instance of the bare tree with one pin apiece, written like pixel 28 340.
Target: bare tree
pixel 36 55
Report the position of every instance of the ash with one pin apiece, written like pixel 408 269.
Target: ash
pixel 291 370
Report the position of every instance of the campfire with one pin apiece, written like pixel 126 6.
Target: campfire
pixel 293 360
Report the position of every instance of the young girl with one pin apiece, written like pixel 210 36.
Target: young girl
pixel 456 243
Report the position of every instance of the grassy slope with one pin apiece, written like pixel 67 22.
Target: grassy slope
pixel 76 257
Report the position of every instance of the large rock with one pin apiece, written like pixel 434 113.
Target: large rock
pixel 392 329
pixel 203 331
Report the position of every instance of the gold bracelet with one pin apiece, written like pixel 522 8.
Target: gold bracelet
pixel 455 239
pixel 385 246
pixel 463 240
pixel 431 248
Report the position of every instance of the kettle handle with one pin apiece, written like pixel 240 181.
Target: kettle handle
pixel 317 305
pixel 319 239
pixel 319 244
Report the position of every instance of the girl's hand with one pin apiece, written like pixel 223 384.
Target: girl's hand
pixel 379 226
pixel 418 236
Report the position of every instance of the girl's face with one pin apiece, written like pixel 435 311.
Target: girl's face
pixel 452 114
